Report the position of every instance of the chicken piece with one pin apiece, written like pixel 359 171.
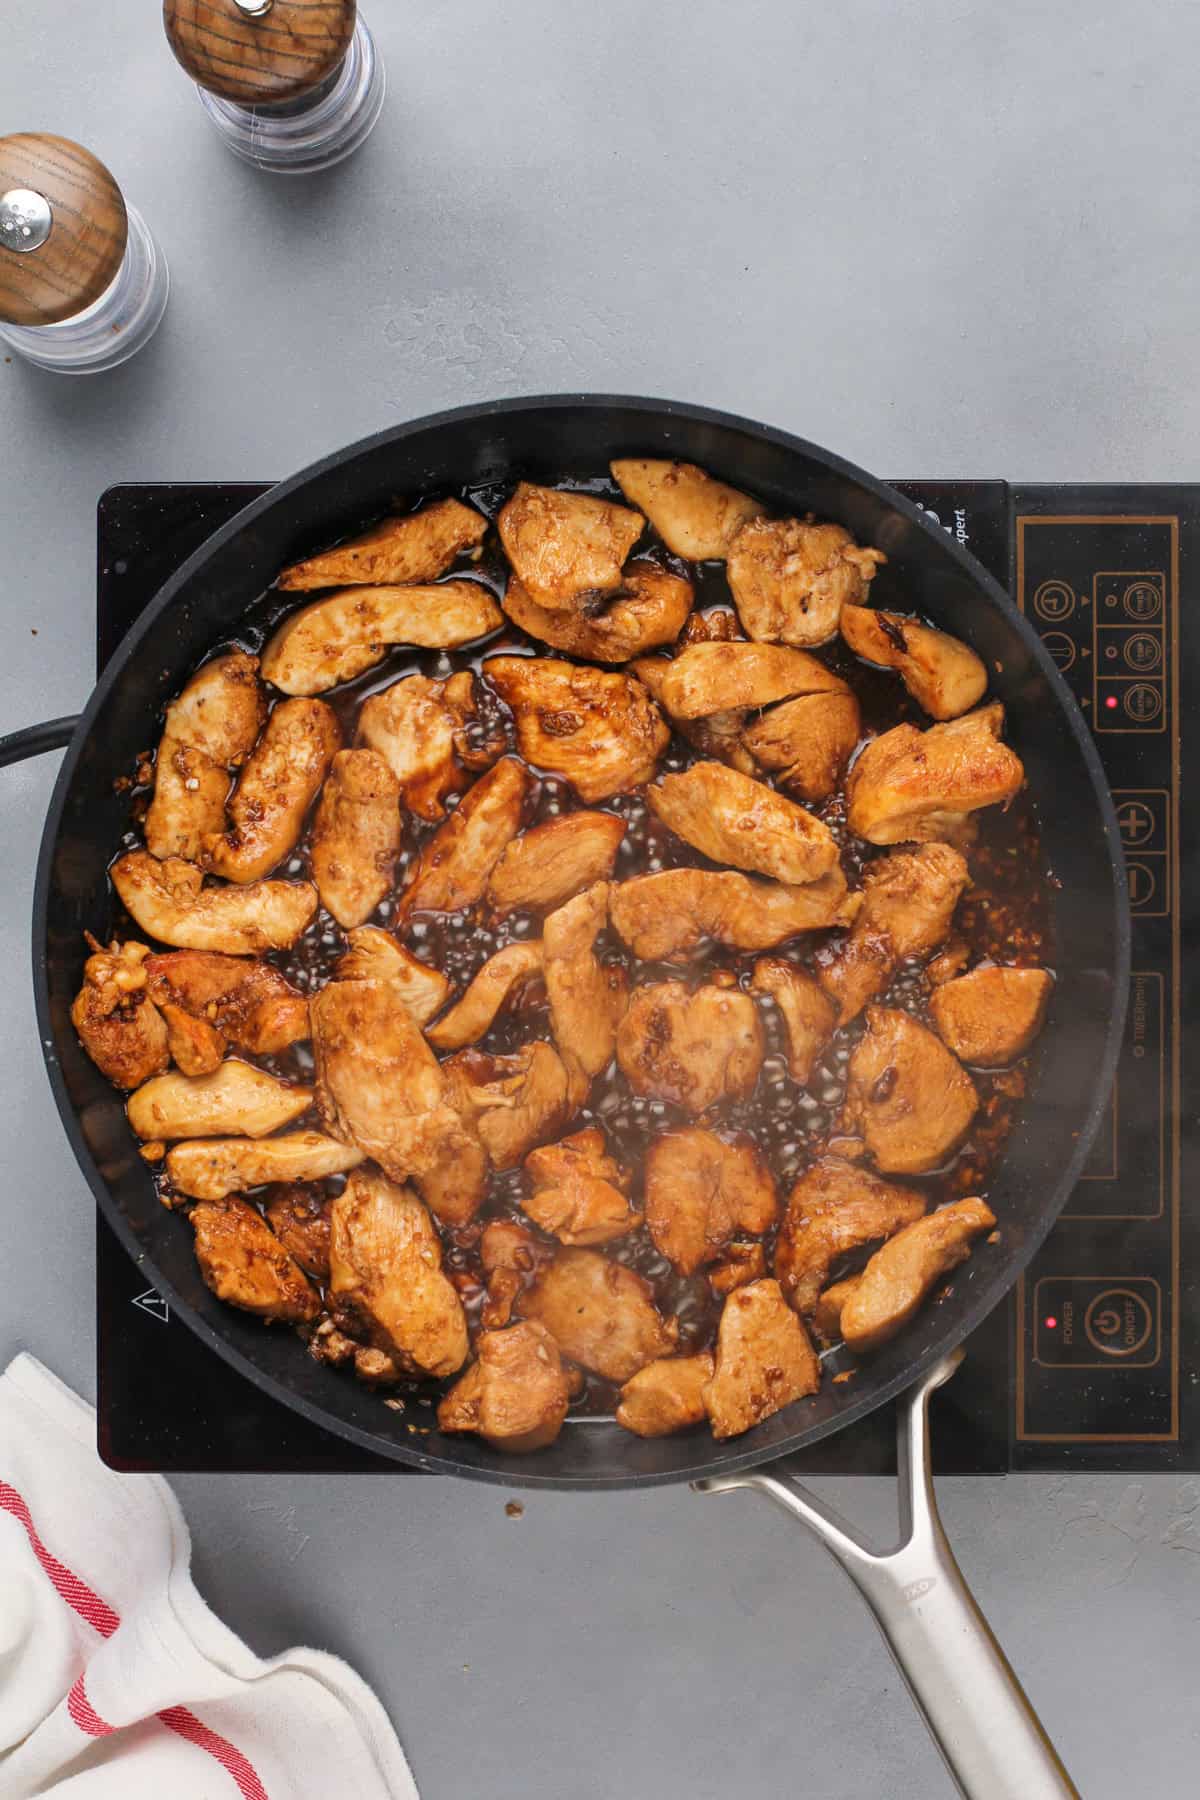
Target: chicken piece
pixel 578 1191
pixel 333 640
pixel 235 1100
pixel 909 899
pixel 587 997
pixel 380 1086
pixel 942 675
pixel 452 870
pixel 670 915
pixel 601 1314
pixel 906 1096
pixel 279 783
pixel 546 866
pixel 299 1217
pixel 722 677
pixel 807 741
pixel 212 724
pixel 565 547
pixel 737 1265
pixel 515 1394
pixel 356 836
pixel 422 729
pixel 948 962
pixel 649 608
pixel 385 1277
pixel 826 1321
pixel 118 1023
pixel 835 1208
pixel 509 1254
pixel 718 735
pixel 501 976
pixel 733 819
pixel 511 1102
pixel 808 1017
pixel 991 1016
pixel 666 1396
pixel 693 1047
pixel 764 1360
pixel 790 578
pixel 197 1048
pixel 375 955
pixel 168 901
pixel 418 546
pixel 250 1003
pixel 211 1168
pixel 719 625
pixel 700 1190
pixel 245 1265
pixel 694 515
pixel 911 786
pixel 898 1277
pixel 598 728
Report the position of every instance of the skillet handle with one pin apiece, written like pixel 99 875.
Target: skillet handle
pixel 992 1741
pixel 35 740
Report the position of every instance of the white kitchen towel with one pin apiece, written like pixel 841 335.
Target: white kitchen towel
pixel 116 1680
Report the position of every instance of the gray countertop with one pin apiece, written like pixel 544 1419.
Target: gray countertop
pixel 944 237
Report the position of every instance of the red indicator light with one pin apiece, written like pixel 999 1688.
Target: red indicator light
pixel 1051 1323
pixel 1111 702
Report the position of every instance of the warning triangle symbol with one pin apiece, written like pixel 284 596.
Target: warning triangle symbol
pixel 153 1303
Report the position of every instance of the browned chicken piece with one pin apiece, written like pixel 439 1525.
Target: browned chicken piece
pixel 299 1217
pixel 700 1190
pixel 278 784
pixel 168 901
pixel 670 915
pixel 210 1168
pixel 948 962
pixel 991 1016
pixel 419 546
pixel 197 1048
pixel 764 1360
pixel 666 1396
pixel 720 677
pixel 716 626
pixel 245 1265
pixel 380 1086
pixel 212 724
pixel 834 1208
pixel 826 1321
pixel 509 1254
pixel 596 727
pixel 375 955
pixel 737 1265
pixel 732 818
pixel 578 1191
pixel 250 1003
pixel 694 515
pixel 421 728
pixel 601 1314
pixel 235 1100
pixel 790 578
pixel 514 1395
pixel 942 675
pixel 909 899
pixel 808 1017
pixel 452 870
pixel 911 786
pixel 807 741
pixel 118 1023
pixel 648 609
pixel 501 976
pixel 898 1277
pixel 587 997
pixel 564 547
pixel 546 866
pixel 717 734
pixel 511 1102
pixel 333 640
pixel 386 1283
pixel 693 1047
pixel 356 836
pixel 906 1096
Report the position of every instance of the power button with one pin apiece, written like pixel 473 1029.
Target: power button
pixel 1093 1322
pixel 1118 1322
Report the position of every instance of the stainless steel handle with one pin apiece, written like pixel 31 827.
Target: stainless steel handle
pixel 990 1736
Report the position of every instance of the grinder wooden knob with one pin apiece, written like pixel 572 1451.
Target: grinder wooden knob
pixel 63 229
pixel 259 52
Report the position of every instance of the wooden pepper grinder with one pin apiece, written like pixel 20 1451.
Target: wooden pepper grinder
pixel 82 282
pixel 291 85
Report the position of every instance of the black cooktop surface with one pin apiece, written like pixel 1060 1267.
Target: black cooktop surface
pixel 1094 1363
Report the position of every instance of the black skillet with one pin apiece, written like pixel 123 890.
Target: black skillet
pixel 550 439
